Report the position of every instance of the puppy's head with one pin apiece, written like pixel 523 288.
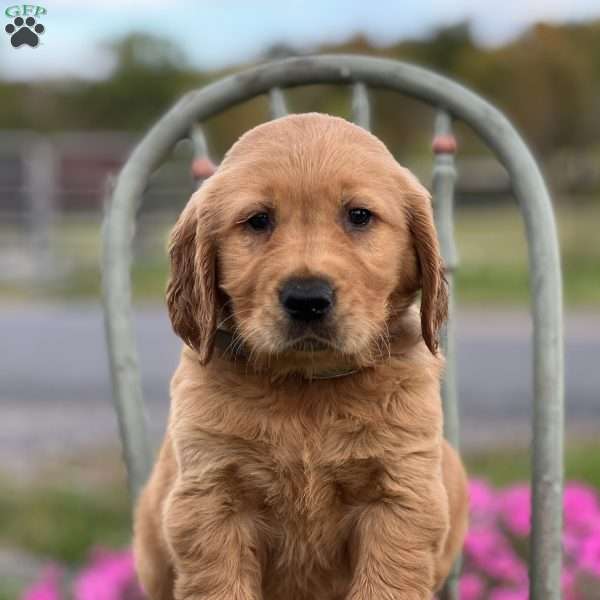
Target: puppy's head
pixel 308 240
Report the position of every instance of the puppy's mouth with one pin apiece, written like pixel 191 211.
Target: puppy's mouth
pixel 310 337
pixel 310 343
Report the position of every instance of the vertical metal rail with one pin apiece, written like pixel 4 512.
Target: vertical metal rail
pixel 545 283
pixel 361 109
pixel 118 231
pixel 277 105
pixel 444 176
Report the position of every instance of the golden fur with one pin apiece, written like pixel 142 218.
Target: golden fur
pixel 273 483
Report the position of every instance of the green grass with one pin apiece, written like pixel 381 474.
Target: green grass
pixel 10 588
pixel 149 282
pixel 490 240
pixel 493 255
pixel 582 463
pixel 59 522
pixel 63 523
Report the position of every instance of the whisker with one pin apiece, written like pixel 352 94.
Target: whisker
pixel 233 315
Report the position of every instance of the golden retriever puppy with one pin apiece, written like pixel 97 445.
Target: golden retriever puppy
pixel 304 457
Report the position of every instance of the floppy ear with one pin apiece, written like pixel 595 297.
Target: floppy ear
pixel 434 287
pixel 191 291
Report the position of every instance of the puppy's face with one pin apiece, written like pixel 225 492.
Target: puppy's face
pixel 307 241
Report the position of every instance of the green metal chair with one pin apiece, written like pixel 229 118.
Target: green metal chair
pixel 453 102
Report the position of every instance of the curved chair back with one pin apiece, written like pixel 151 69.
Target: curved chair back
pixel 453 102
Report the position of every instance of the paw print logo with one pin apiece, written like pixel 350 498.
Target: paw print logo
pixel 24 32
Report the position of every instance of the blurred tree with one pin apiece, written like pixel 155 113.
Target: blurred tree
pixel 547 81
pixel 150 73
pixel 543 81
pixel 279 51
pixel 444 49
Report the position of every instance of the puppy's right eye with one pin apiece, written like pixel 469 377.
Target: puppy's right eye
pixel 359 217
pixel 260 221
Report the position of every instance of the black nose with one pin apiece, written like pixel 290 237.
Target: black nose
pixel 306 299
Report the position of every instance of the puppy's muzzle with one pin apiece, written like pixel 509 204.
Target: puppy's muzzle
pixel 306 300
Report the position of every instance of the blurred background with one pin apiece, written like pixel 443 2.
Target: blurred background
pixel 73 108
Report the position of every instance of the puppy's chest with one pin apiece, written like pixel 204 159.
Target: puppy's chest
pixel 318 483
pixel 320 475
pixel 323 468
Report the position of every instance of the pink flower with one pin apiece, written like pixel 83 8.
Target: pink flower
pixel 483 541
pixel 581 509
pixel 571 544
pixel 589 559
pixel 504 593
pixel 515 509
pixel 491 552
pixel 505 565
pixel 482 501
pixel 47 587
pixel 470 587
pixel 108 577
pixel 568 579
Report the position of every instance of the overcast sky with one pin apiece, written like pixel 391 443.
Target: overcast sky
pixel 222 32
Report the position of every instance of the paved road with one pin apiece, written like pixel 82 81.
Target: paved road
pixel 55 389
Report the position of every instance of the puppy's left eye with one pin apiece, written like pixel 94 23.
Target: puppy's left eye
pixel 359 217
pixel 260 221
